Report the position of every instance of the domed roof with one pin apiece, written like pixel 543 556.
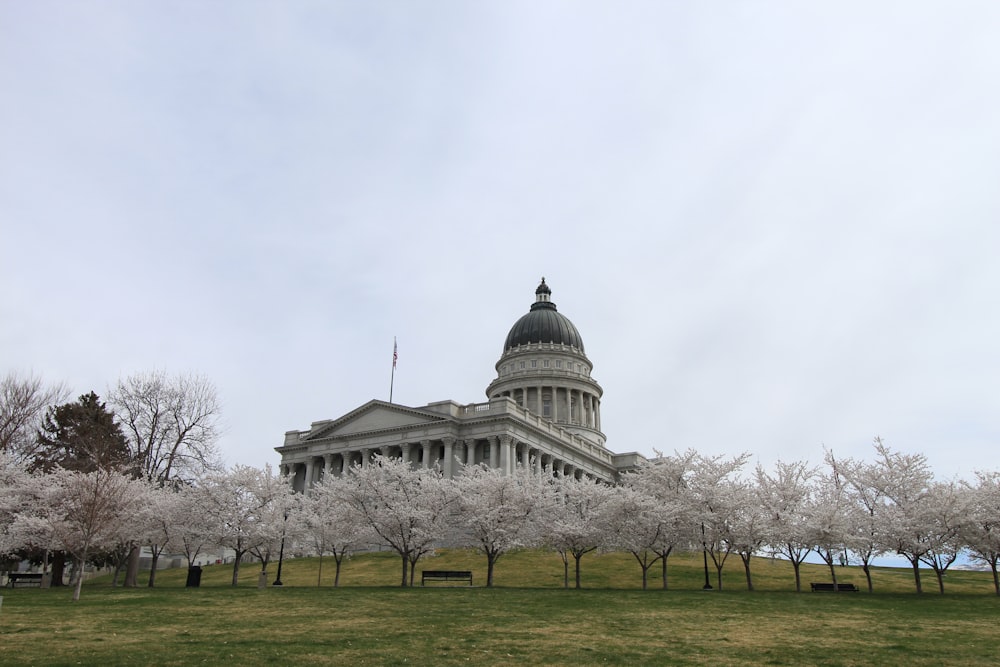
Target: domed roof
pixel 543 324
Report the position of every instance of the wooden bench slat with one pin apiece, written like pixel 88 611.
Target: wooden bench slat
pixel 828 586
pixel 24 579
pixel 445 575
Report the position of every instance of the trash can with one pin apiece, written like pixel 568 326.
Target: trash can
pixel 194 576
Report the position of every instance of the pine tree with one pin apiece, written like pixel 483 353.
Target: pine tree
pixel 82 436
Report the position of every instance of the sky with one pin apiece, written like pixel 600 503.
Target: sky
pixel 774 224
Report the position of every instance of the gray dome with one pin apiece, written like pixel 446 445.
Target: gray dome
pixel 543 324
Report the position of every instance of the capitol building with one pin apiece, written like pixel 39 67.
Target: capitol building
pixel 543 411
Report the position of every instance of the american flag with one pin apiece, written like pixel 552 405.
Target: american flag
pixel 395 353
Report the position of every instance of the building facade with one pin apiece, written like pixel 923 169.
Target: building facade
pixel 543 412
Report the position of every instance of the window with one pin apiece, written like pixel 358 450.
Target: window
pixel 558 363
pixel 546 405
pixel 545 363
pixel 522 365
pixel 534 363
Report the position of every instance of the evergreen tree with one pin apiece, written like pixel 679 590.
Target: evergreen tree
pixel 82 436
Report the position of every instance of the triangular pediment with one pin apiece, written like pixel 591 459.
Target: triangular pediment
pixel 373 416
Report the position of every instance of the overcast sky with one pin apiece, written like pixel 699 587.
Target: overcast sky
pixel 775 224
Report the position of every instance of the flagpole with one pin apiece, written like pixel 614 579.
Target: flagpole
pixel 392 380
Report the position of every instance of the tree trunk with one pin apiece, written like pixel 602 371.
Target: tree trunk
pixel 996 576
pixel 565 560
pixel 916 574
pixel 132 571
pixel 718 569
pixel 664 572
pixel 236 568
pixel 114 575
pixel 868 575
pixel 58 568
pixel 336 575
pixel 746 567
pixel 833 574
pixel 319 576
pixel 798 576
pixel 152 567
pixel 79 576
pixel 940 578
pixel 406 562
pixel 490 562
pixel 262 577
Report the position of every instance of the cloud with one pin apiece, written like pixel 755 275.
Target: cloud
pixel 773 224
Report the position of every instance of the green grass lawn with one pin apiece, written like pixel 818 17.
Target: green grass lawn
pixel 528 619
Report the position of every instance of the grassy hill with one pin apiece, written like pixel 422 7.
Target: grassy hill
pixel 528 619
pixel 544 569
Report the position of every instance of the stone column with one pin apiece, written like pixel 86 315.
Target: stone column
pixel 449 444
pixel 537 462
pixel 504 447
pixel 307 482
pixel 494 451
pixel 426 449
pixel 405 452
pixel 366 455
pixel 470 452
pixel 327 464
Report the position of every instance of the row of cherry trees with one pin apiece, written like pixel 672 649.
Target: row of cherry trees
pixel 97 484
pixel 848 510
pixel 105 511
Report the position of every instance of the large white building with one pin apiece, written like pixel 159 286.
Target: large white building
pixel 543 411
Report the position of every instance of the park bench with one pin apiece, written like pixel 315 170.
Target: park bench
pixel 15 579
pixel 824 586
pixel 445 575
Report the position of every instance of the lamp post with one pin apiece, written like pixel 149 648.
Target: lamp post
pixel 704 555
pixel 281 552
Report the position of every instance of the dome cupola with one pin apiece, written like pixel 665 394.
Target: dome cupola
pixel 543 324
